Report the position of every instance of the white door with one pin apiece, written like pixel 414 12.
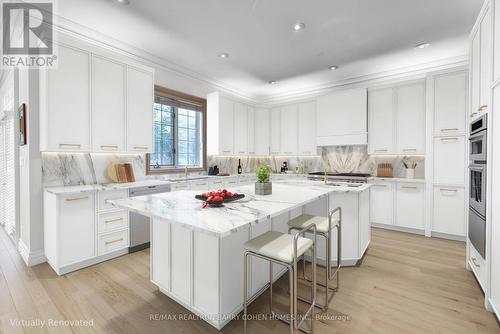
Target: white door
pixel 410 210
pixel 307 128
pixel 289 129
pixel 449 210
pixel 449 160
pixel 108 106
pixel 275 131
pixel 450 103
pixel 381 121
pixel 140 96
pixel 240 128
pixel 411 119
pixel 76 228
pixel 475 67
pixel 67 123
pixel 485 63
pixel 251 131
pixel 262 131
pixel 381 203
pixel 226 126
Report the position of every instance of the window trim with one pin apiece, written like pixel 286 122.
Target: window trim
pixel 198 100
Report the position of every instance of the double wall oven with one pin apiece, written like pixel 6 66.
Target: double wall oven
pixel 477 184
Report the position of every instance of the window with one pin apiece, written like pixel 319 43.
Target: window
pixel 179 125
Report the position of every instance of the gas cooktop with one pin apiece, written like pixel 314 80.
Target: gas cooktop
pixel 345 177
pixel 340 174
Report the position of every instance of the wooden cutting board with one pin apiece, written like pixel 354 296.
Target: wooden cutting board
pixel 120 173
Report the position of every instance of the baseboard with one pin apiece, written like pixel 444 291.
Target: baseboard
pixel 448 236
pixel 30 258
pixel 399 228
pixel 495 310
pixel 138 248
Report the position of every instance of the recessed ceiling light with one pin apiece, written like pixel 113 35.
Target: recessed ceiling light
pixel 123 2
pixel 333 67
pixel 422 46
pixel 223 55
pixel 299 26
pixel 273 82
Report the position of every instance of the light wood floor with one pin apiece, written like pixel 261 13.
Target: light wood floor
pixel 406 284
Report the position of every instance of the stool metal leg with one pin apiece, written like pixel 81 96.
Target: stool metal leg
pixel 245 291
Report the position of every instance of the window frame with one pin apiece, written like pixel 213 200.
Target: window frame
pixel 195 100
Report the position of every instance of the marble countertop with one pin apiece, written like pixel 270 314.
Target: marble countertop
pixel 396 179
pixel 103 187
pixel 182 208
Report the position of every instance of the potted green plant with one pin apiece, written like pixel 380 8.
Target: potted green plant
pixel 263 186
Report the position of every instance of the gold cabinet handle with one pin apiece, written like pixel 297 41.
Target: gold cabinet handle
pixel 481 108
pixel 109 147
pixel 449 190
pixel 449 129
pixel 449 139
pixel 201 184
pixel 409 150
pixel 385 150
pixel 474 261
pixel 380 185
pixel 409 187
pixel 140 147
pixel 113 241
pixel 62 145
pixel 113 220
pixel 473 114
pixel 76 199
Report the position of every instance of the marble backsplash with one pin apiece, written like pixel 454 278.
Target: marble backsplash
pixel 341 159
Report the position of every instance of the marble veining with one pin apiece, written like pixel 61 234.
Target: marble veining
pixel 180 207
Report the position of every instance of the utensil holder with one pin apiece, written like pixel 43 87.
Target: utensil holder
pixel 410 173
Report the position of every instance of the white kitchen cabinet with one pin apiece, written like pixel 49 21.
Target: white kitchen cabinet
pixel 108 105
pixel 341 118
pixel 262 131
pixel 485 62
pixel 307 128
pixel 289 129
pixel 65 102
pixel 382 203
pixel 449 160
pixel 449 211
pixel 199 185
pixel 251 131
pixel 411 118
pixel 220 125
pixel 275 131
pixel 450 104
pixel 410 208
pixel 139 110
pixel 475 69
pixel 240 128
pixel 381 121
pixel 496 46
pixel 181 185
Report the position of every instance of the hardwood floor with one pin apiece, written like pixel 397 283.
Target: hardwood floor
pixel 406 284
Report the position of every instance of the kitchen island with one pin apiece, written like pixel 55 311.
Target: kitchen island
pixel 197 254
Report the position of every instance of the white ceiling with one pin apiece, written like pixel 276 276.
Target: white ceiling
pixel 361 36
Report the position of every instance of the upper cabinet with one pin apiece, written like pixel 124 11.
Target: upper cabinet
pixel 381 121
pixel 307 128
pixel 275 134
pixel 341 118
pixel 450 103
pixel 289 129
pixel 220 125
pixel 240 128
pixel 108 105
pixel 95 103
pixel 496 47
pixel 410 118
pixel 262 131
pixel 251 131
pixel 397 119
pixel 65 102
pixel 475 73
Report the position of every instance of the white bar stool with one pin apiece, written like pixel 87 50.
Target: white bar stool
pixel 324 228
pixel 283 249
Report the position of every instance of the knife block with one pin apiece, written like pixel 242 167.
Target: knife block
pixel 385 170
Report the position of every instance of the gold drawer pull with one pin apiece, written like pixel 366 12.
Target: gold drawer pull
pixel 113 241
pixel 380 185
pixel 409 150
pixel 473 114
pixel 69 145
pixel 140 147
pixel 385 150
pixel 113 220
pixel 449 139
pixel 76 199
pixel 110 147
pixel 409 187
pixel 474 261
pixel 449 190
pixel 481 108
pixel 450 129
pixel 201 184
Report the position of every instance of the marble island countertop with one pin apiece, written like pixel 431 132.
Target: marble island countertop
pixel 182 208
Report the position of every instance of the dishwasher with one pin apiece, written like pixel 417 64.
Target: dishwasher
pixel 139 224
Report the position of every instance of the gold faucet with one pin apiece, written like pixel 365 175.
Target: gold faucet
pixel 325 179
pixel 186 171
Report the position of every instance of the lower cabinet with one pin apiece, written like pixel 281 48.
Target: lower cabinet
pixel 449 211
pixel 382 203
pixel 410 209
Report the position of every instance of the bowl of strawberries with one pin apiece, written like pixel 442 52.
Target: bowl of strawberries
pixel 218 198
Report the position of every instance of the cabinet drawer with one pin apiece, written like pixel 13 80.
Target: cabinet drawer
pixel 233 182
pixel 449 212
pixel 410 205
pixel 199 185
pixel 381 203
pixel 449 160
pixel 179 186
pixel 216 184
pixel 110 194
pixel 113 241
pixel 113 221
pixel 478 265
